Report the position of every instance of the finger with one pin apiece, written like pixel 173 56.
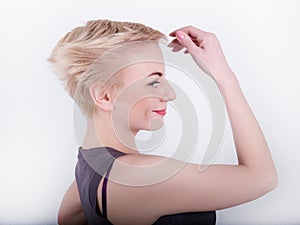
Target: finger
pixel 193 32
pixel 174 43
pixel 187 42
pixel 177 48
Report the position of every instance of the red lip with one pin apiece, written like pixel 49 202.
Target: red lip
pixel 161 112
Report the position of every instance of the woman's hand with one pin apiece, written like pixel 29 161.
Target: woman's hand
pixel 205 49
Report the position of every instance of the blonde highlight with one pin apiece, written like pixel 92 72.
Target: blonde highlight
pixel 74 54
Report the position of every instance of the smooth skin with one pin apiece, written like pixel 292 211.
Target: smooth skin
pixel 218 187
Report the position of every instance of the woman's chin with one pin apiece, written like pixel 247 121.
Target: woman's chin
pixel 156 123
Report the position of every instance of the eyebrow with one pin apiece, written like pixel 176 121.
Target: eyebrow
pixel 155 73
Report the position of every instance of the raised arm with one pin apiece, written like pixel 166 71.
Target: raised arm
pixel 251 147
pixel 218 187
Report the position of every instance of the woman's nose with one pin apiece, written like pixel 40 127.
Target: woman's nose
pixel 169 93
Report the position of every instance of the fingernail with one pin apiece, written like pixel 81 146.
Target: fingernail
pixel 180 35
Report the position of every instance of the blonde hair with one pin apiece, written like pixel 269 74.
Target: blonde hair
pixel 80 48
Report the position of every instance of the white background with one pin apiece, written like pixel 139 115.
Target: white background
pixel 38 147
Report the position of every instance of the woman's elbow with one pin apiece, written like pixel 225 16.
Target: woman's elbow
pixel 269 182
pixel 273 181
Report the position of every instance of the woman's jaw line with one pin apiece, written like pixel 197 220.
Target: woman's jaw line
pixel 116 136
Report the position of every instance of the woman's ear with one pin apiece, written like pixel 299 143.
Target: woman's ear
pixel 101 97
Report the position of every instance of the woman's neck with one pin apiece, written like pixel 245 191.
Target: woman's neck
pixel 100 132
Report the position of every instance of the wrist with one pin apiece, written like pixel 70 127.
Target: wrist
pixel 224 76
pixel 228 84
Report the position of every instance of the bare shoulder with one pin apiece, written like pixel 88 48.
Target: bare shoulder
pixel 133 188
pixel 140 170
pixel 142 188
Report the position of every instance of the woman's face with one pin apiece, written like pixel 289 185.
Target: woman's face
pixel 141 103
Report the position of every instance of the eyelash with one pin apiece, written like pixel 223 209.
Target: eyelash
pixel 154 82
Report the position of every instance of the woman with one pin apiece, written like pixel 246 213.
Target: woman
pixel 114 72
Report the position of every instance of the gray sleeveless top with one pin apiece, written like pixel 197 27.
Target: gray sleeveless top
pixel 92 164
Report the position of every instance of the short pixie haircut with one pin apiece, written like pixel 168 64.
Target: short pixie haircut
pixel 81 47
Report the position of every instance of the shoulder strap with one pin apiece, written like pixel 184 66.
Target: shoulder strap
pixel 104 188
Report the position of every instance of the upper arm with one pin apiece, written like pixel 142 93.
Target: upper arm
pixel 70 211
pixel 218 187
pixel 155 190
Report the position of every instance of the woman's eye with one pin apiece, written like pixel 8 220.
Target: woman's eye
pixel 154 83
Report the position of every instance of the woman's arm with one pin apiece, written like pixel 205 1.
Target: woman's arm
pixel 251 147
pixel 219 186
pixel 70 211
